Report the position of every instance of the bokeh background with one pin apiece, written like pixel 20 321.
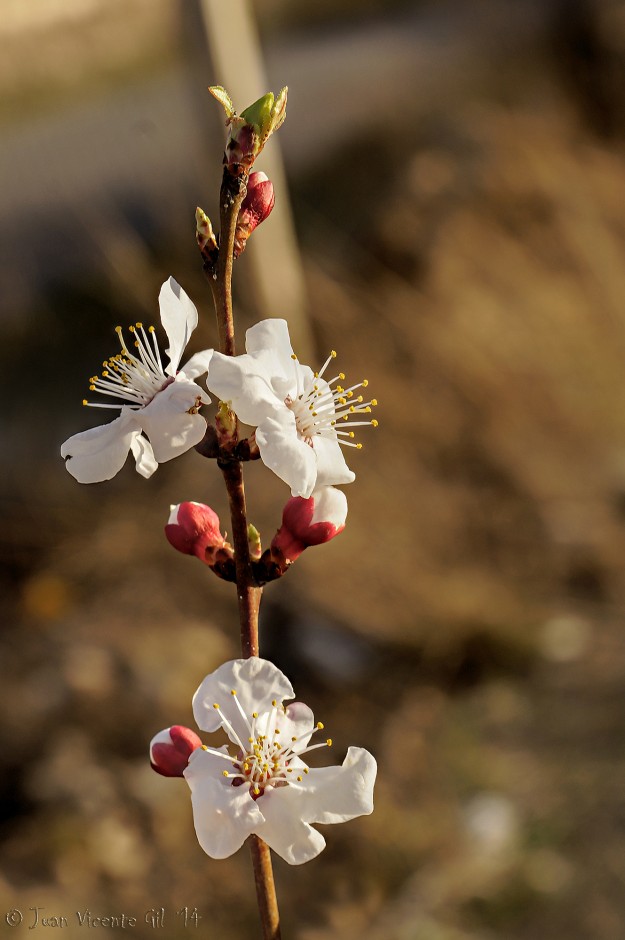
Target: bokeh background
pixel 454 225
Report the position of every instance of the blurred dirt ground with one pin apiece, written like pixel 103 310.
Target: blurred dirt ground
pixel 467 627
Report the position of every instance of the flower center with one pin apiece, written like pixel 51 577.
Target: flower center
pixel 264 759
pixel 135 379
pixel 321 406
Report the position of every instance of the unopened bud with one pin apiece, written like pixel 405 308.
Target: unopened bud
pixel 253 539
pixel 312 521
pixel 256 207
pixel 226 424
pixel 170 750
pixel 249 131
pixel 207 243
pixel 193 529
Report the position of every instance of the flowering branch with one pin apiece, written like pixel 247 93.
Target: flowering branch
pixel 219 276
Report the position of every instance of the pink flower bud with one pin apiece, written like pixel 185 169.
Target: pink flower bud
pixel 193 529
pixel 256 207
pixel 170 750
pixel 312 521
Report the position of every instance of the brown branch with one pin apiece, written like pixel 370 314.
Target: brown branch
pixel 219 276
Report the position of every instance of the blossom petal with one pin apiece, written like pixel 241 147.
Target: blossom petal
pixel 271 334
pixel 179 318
pixel 297 722
pixel 257 683
pixel 286 454
pixel 198 365
pixel 145 462
pixel 284 830
pixel 336 794
pixel 331 466
pixel 167 422
pixel 99 453
pixel 269 344
pixel 241 380
pixel 223 815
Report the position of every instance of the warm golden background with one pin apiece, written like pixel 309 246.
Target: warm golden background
pixel 457 178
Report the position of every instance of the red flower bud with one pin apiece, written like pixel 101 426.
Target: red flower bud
pixel 256 207
pixel 312 521
pixel 193 529
pixel 170 750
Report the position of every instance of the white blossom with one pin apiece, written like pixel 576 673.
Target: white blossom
pixel 301 419
pixel 263 785
pixel 160 402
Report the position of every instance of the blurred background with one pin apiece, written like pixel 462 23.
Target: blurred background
pixel 451 220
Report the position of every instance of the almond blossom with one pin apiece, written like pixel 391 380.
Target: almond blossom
pixel 301 418
pixel 154 400
pixel 263 785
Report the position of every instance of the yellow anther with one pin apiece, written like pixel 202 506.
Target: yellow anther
pixel 85 402
pixel 352 409
pixel 151 329
pixel 293 739
pixel 360 398
pixel 215 705
pixel 105 374
pixel 305 770
pixel 314 414
pixel 351 395
pixel 140 326
pixel 257 791
pixel 204 747
pixel 358 446
pixel 131 328
pixel 342 401
pixel 289 770
pixel 233 691
pixel 246 768
pixel 92 388
pixel 294 357
pixel 342 376
pixel 316 375
pixel 137 343
pixel 340 389
pixel 351 434
pixel 277 731
pixel 320 726
pixel 333 353
pixel 329 742
pixel 251 740
pixel 254 714
pixel 374 401
pixel 367 411
pixel 273 702
pixel 300 779
pixel 365 382
pixel 225 773
pixel 374 422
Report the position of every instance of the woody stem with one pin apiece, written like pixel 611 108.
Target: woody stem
pixel 232 193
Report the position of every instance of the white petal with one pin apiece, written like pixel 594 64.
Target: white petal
pixel 268 343
pixel 336 794
pixel 179 319
pixel 297 722
pixel 272 334
pixel 145 462
pixel 286 454
pixel 284 830
pixel 331 466
pixel 330 505
pixel 166 421
pixel 198 365
pixel 242 381
pixel 224 816
pixel 257 683
pixel 99 453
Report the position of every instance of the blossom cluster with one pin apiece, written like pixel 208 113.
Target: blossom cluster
pixel 302 419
